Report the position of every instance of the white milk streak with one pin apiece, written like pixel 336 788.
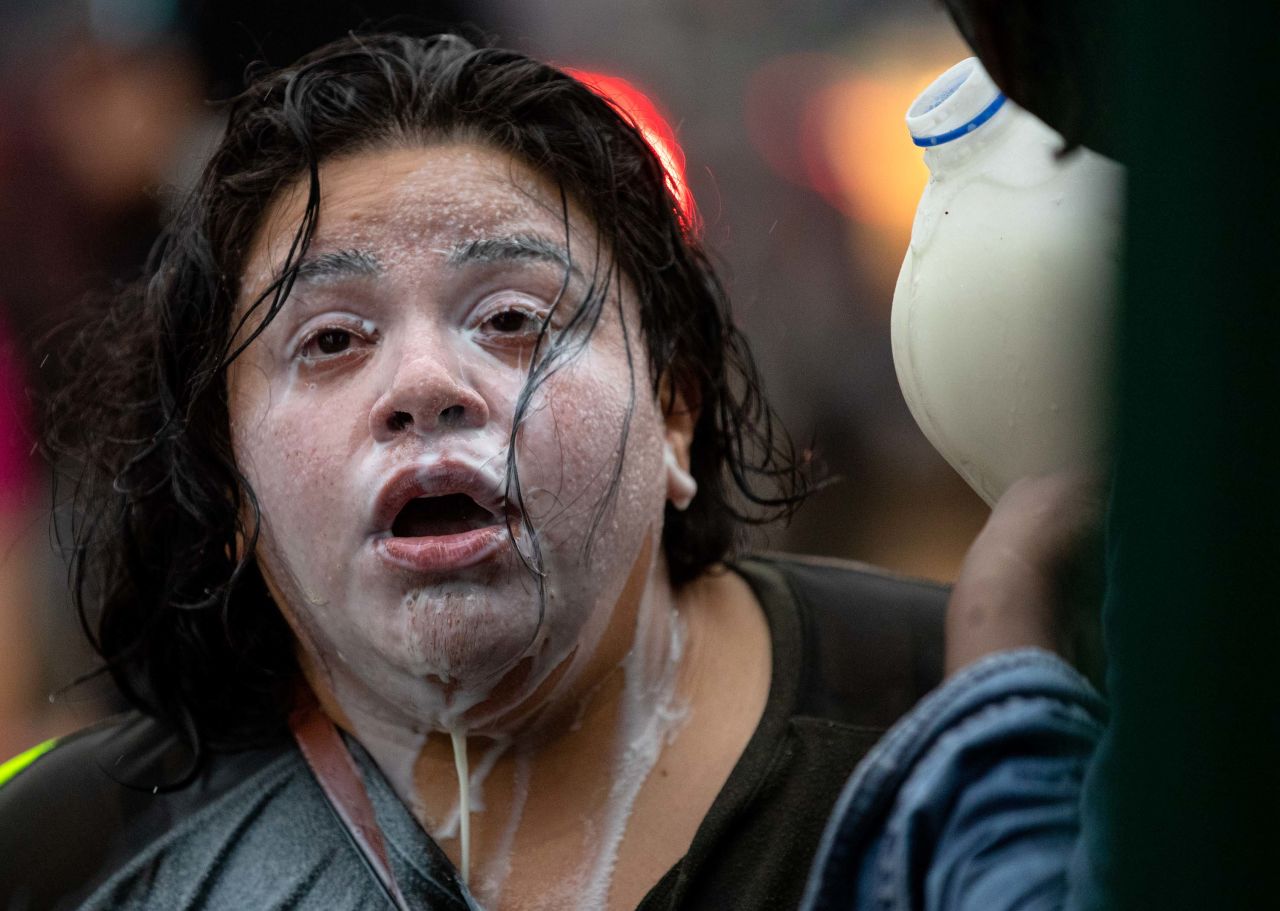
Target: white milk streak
pixel 449 828
pixel 459 739
pixel 649 716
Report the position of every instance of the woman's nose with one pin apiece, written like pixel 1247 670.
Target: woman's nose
pixel 427 394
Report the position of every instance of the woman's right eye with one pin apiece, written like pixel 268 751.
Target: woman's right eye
pixel 331 342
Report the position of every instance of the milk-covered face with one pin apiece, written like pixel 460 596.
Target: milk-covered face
pixel 373 416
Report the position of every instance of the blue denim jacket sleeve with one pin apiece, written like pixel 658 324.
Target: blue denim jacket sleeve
pixel 973 800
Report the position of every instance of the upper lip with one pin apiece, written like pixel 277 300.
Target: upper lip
pixel 435 479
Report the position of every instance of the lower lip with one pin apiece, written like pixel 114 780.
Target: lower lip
pixel 443 553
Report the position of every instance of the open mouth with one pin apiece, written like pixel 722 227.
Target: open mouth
pixel 433 517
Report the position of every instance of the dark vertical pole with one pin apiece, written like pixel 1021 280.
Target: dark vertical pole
pixel 1193 769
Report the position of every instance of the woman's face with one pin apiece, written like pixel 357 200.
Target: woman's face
pixel 373 417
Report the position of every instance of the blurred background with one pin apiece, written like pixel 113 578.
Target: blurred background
pixel 789 118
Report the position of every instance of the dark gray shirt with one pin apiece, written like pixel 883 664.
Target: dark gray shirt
pixel 271 842
pixel 259 835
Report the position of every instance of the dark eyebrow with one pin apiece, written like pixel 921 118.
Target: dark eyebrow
pixel 338 265
pixel 510 248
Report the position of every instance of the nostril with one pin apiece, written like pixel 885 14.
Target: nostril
pixel 399 420
pixel 452 415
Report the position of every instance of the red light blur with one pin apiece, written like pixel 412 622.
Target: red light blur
pixel 653 126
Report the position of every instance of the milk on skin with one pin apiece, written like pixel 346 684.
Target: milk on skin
pixel 416 316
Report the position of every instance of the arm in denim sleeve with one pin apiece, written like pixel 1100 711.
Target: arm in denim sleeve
pixel 972 801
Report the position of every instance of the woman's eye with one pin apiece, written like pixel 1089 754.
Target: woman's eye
pixel 332 341
pixel 511 318
pixel 510 321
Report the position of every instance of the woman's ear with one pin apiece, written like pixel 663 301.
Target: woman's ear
pixel 680 412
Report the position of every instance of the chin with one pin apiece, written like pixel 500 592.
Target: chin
pixel 468 639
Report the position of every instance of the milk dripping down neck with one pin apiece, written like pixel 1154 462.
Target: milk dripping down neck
pixel 458 737
pixel 960 114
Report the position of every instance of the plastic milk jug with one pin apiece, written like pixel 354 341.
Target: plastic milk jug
pixel 1002 316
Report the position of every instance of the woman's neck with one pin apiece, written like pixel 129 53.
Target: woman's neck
pixel 565 777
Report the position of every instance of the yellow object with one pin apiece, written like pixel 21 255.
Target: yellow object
pixel 10 769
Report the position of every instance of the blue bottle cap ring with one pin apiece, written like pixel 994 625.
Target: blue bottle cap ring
pixel 964 129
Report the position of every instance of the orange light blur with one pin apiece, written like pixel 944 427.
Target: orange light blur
pixel 653 126
pixel 878 173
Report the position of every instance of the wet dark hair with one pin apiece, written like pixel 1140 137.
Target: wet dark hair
pixel 185 626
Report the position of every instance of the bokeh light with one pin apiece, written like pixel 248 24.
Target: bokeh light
pixel 875 170
pixel 835 125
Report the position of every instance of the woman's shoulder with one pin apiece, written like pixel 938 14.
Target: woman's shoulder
pixel 869 642
pixel 84 767
pixel 74 809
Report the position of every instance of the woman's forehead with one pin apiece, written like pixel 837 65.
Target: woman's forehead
pixel 404 203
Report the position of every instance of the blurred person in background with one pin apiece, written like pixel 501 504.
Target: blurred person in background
pixel 98 120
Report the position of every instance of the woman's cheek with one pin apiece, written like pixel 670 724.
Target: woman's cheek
pixel 289 463
pixel 572 455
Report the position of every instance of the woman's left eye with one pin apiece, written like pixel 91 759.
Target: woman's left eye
pixel 511 317
pixel 511 321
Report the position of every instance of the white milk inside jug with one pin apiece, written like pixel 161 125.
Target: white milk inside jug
pixel 1002 316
